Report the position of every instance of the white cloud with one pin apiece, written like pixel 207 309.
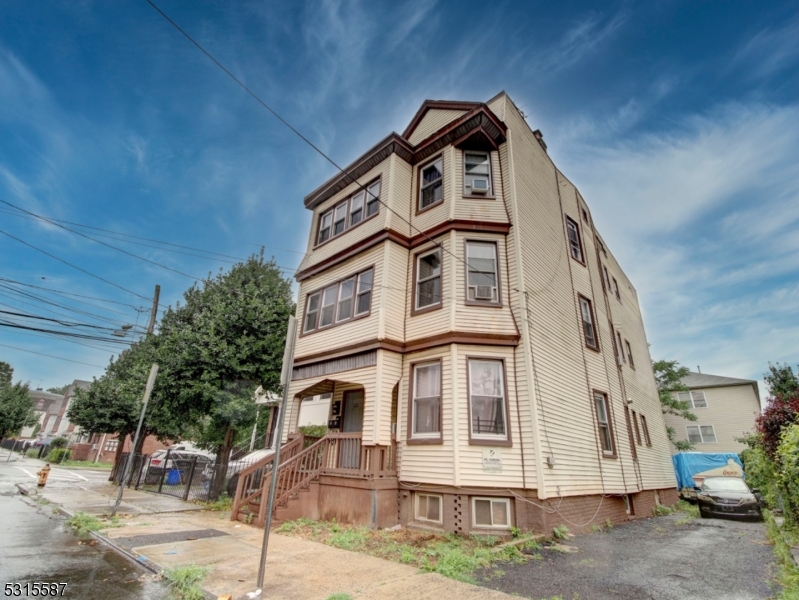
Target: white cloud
pixel 771 49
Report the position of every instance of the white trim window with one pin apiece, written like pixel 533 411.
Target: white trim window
pixel 349 212
pixel 427 400
pixel 575 244
pixel 363 301
pixel 346 289
pixel 431 184
pixel 481 268
pixel 695 398
pixel 587 313
pixel 356 208
pixel 325 222
pixel 477 173
pixel 373 199
pixel 327 315
pixel 337 302
pixel 701 434
pixel 491 513
pixel 487 399
pixel 428 507
pixel 428 279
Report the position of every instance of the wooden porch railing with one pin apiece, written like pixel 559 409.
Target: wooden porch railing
pixel 251 479
pixel 347 456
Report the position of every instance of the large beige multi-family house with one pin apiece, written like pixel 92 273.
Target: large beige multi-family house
pixel 485 352
pixel 725 408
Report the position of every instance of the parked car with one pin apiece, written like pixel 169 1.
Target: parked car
pixel 233 468
pixel 179 460
pixel 728 497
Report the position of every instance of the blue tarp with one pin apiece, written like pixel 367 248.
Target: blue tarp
pixel 688 464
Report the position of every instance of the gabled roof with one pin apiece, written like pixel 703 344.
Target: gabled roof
pixel 700 380
pixel 40 395
pixel 439 104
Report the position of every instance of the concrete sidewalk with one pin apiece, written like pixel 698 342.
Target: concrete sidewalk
pixel 163 532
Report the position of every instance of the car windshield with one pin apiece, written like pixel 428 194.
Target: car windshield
pixel 725 485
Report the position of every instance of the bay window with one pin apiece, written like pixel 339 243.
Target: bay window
pixel 339 302
pixel 487 402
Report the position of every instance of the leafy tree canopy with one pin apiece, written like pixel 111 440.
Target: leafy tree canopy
pixel 6 373
pixel 59 390
pixel 668 376
pixel 781 380
pixel 16 408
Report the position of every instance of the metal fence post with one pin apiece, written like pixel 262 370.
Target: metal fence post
pixel 163 471
pixel 191 476
pixel 141 470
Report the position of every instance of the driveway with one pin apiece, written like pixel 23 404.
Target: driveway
pixel 657 559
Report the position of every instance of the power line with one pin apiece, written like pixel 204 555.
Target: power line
pixel 51 356
pixel 88 237
pixel 69 264
pixel 38 287
pixel 64 323
pixel 83 336
pixel 296 132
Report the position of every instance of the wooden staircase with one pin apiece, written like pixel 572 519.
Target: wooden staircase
pixel 336 454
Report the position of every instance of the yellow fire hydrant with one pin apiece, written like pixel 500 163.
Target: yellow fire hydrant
pixel 43 474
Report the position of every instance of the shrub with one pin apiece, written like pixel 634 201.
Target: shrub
pixel 560 532
pixel 59 442
pixel 58 455
pixel 788 477
pixel 761 471
pixel 780 412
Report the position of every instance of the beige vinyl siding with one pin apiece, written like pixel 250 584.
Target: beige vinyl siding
pixel 731 410
pixel 362 230
pixel 396 292
pixel 389 373
pixel 566 370
pixel 400 198
pixel 481 319
pixel 365 378
pixel 479 209
pixel 497 105
pixel 435 321
pixel 357 330
pixel 433 120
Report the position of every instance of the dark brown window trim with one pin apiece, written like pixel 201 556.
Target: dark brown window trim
pixel 502 228
pixel 637 428
pixel 348 200
pixel 484 303
pixel 633 449
pixel 579 240
pixel 479 441
pixel 355 317
pixel 431 307
pixel 593 323
pixel 616 291
pixel 630 360
pixel 410 440
pixel 489 196
pixel 615 453
pixel 645 427
pixel 419 170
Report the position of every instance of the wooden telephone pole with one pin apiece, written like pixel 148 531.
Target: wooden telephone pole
pixel 154 311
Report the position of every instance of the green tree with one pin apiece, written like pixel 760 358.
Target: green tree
pixel 217 348
pixel 781 380
pixel 6 373
pixel 668 376
pixel 59 390
pixel 17 408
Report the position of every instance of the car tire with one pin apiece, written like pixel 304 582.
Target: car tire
pixel 703 513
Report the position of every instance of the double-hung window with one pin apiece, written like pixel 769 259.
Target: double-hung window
pixel 339 302
pixel 629 353
pixel 616 289
pixel 630 433
pixel 607 279
pixel 349 213
pixel 426 401
pixel 575 245
pixel 476 173
pixel 645 428
pixel 589 330
pixel 701 434
pixel 487 407
pixel 695 399
pixel 637 428
pixel 603 423
pixel 621 348
pixel 431 184
pixel 428 279
pixel 482 272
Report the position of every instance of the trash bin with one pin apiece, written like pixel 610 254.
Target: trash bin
pixel 173 476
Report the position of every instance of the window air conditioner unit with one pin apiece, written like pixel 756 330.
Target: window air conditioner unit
pixel 480 186
pixel 484 292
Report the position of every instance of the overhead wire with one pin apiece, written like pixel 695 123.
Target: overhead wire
pixel 51 356
pixel 69 294
pixel 297 132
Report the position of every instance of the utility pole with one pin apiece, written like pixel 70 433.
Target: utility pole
pixel 285 379
pixel 132 454
pixel 154 311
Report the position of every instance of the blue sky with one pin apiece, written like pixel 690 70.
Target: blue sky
pixel 678 121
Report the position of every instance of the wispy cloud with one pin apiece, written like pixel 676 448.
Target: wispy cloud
pixel 771 49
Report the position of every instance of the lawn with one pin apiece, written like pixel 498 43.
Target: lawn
pixel 450 555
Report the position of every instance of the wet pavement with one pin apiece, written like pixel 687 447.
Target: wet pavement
pixel 37 546
pixel 651 559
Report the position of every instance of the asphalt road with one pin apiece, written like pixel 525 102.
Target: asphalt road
pixel 650 559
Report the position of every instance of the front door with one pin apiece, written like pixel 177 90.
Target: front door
pixel 350 449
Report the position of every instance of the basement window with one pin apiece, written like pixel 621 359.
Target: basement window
pixel 491 512
pixel 428 508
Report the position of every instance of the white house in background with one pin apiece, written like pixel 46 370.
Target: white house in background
pixel 43 401
pixel 726 409
pixel 314 410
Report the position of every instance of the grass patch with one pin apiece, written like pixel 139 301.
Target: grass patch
pixel 690 511
pixel 787 571
pixel 339 596
pixel 184 581
pixel 84 523
pixel 86 463
pixel 659 510
pixel 223 503
pixel 560 532
pixel 450 555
